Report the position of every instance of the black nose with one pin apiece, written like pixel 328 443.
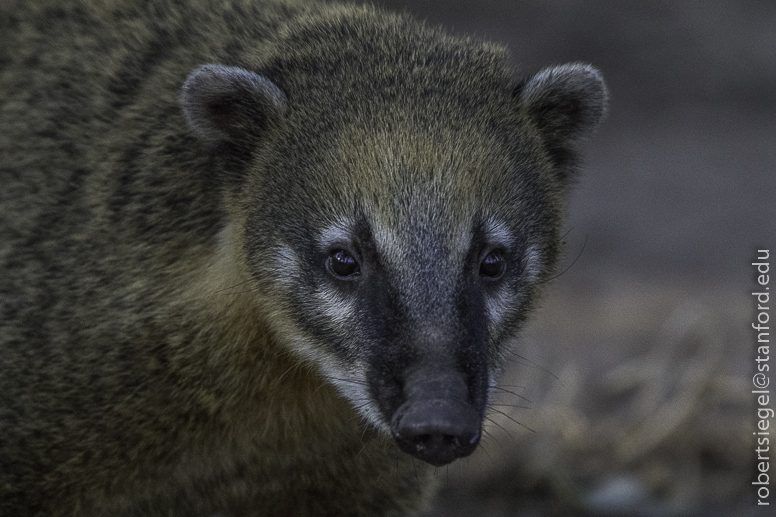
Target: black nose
pixel 437 431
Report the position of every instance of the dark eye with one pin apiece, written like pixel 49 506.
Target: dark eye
pixel 342 264
pixel 493 265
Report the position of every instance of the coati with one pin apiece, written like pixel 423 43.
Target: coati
pixel 261 257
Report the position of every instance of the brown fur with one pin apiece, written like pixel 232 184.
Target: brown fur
pixel 148 365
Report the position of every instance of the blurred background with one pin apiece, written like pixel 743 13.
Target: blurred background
pixel 631 393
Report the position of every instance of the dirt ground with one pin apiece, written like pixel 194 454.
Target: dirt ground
pixel 631 394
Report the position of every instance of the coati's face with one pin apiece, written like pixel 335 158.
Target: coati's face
pixel 400 216
pixel 407 283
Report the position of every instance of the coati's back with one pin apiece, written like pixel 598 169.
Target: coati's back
pixel 261 258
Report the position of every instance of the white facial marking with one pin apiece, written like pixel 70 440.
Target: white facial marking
pixel 349 381
pixel 341 230
pixel 387 242
pixel 286 265
pixel 498 306
pixel 506 301
pixel 497 233
pixel 533 264
pixel 352 385
pixel 337 308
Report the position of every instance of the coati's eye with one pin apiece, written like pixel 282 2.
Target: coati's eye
pixel 342 264
pixel 493 265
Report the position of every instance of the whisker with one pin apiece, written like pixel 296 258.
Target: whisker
pixel 243 292
pixel 283 374
pixel 512 419
pixel 417 477
pixel 490 435
pixel 575 260
pixel 360 450
pixel 232 287
pixel 483 447
pixel 494 422
pixel 521 397
pixel 533 364
pixel 352 381
pixel 510 405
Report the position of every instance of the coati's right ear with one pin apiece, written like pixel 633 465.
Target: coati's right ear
pixel 229 104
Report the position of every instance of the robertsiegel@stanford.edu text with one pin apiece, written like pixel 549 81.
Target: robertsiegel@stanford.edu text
pixel 761 379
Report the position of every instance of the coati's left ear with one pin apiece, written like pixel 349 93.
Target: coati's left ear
pixel 564 103
pixel 229 104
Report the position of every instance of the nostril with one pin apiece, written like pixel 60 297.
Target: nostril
pixel 436 438
pixel 431 442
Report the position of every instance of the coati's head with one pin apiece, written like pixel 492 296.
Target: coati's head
pixel 402 196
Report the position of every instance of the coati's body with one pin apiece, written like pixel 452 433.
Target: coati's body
pixel 246 288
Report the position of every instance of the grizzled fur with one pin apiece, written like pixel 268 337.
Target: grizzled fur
pixel 176 179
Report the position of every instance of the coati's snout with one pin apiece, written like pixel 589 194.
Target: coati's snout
pixel 436 423
pixel 428 353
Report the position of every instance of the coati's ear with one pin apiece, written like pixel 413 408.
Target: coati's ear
pixel 229 104
pixel 565 103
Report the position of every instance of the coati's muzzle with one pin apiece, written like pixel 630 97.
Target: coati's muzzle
pixel 437 422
